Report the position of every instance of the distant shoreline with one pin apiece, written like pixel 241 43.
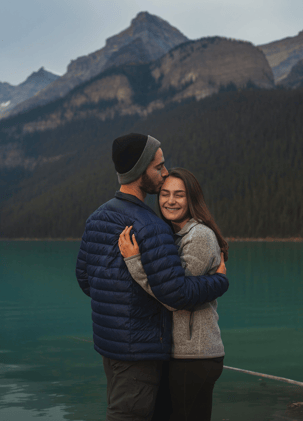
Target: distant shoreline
pixel 228 239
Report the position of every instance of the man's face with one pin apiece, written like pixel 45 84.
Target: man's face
pixel 154 176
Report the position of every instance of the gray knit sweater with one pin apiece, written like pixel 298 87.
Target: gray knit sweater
pixel 195 334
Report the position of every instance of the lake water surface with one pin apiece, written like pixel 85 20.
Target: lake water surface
pixel 50 371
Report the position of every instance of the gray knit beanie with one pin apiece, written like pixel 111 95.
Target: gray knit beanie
pixel 132 154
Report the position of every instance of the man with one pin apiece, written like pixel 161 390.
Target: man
pixel 132 330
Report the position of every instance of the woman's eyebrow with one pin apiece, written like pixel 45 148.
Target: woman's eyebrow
pixel 174 191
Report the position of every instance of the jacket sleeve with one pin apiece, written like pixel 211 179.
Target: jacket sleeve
pixel 166 275
pixel 136 269
pixel 81 273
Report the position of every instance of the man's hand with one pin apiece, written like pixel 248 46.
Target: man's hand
pixel 222 267
pixel 127 248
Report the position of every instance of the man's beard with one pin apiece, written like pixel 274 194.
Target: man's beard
pixel 148 185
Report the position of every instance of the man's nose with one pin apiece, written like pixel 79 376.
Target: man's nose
pixel 164 172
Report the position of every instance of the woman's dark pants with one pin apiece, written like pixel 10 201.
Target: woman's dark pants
pixel 190 383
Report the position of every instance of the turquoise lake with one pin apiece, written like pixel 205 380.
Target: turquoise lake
pixel 50 371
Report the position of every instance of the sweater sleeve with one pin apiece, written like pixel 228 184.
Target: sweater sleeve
pixel 136 269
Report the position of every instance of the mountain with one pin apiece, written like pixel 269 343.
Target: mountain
pixel 147 38
pixel 11 95
pixel 294 79
pixel 6 92
pixel 212 103
pixel 283 54
pixel 192 70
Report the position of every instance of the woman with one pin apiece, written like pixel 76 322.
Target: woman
pixel 197 349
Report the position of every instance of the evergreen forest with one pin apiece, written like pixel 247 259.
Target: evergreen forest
pixel 244 146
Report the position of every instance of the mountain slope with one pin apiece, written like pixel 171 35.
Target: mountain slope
pixel 244 147
pixel 283 54
pixel 192 70
pixel 199 68
pixel 147 33
pixel 10 95
pixel 295 77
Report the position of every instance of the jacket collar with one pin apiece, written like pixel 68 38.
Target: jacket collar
pixel 187 227
pixel 133 199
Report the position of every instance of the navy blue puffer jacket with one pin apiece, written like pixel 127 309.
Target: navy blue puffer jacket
pixel 128 323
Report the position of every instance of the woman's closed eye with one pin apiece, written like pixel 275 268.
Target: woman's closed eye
pixel 177 195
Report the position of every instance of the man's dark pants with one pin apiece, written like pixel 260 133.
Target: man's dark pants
pixel 132 388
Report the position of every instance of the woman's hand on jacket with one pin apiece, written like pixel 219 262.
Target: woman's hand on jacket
pixel 126 246
pixel 221 267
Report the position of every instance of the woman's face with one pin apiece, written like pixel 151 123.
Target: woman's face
pixel 173 201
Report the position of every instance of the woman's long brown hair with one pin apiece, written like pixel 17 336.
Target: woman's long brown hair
pixel 196 205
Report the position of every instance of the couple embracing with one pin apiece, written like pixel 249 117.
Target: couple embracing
pixel 153 284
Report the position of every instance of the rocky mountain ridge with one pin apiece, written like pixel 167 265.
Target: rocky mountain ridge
pixel 11 95
pixel 283 54
pixel 192 70
pixel 148 38
pixel 145 40
pixel 294 79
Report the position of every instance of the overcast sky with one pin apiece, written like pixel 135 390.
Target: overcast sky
pixel 51 33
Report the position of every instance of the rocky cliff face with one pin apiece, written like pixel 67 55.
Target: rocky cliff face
pixel 11 95
pixel 194 69
pixel 295 78
pixel 199 68
pixel 282 55
pixel 147 38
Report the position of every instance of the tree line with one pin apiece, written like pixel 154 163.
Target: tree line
pixel 245 148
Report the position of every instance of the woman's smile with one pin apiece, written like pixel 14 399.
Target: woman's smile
pixel 173 209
